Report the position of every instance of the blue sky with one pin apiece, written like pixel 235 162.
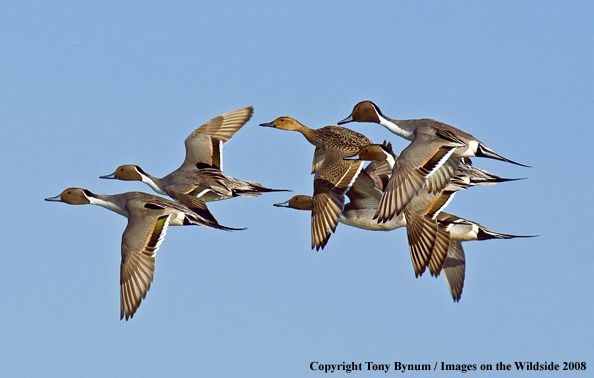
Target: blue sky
pixel 87 87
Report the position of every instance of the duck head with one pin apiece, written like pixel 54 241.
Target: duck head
pixel 374 152
pixel 284 123
pixel 299 202
pixel 365 111
pixel 73 196
pixel 127 172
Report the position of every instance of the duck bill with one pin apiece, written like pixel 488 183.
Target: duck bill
pixel 55 199
pixel 354 157
pixel 346 120
pixel 269 124
pixel 282 204
pixel 112 176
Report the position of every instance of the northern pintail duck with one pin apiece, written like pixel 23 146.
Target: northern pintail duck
pixel 201 173
pixel 333 174
pixel 430 159
pixel 148 218
pixel 460 230
pixel 428 239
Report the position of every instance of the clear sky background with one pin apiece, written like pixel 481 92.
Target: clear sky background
pixel 87 87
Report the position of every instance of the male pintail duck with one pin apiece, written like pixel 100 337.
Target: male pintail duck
pixel 430 159
pixel 148 218
pixel 333 174
pixel 428 238
pixel 201 173
pixel 459 229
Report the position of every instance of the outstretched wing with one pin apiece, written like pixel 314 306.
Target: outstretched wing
pixel 204 146
pixel 318 158
pixel 330 184
pixel 454 269
pixel 140 242
pixel 364 194
pixel 424 157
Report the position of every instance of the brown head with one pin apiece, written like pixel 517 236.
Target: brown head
pixel 365 111
pixel 127 172
pixel 73 196
pixel 284 123
pixel 374 152
pixel 299 202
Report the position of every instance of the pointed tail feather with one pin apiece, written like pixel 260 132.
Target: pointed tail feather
pixel 202 215
pixel 484 151
pixel 471 176
pixel 249 188
pixel 486 234
pixel 225 228
pixel 256 191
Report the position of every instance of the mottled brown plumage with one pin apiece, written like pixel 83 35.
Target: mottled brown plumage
pixel 333 174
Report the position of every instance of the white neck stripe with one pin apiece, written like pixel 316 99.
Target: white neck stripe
pixel 152 184
pixel 108 205
pixel 395 128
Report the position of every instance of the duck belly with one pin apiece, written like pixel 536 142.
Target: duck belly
pixel 363 218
